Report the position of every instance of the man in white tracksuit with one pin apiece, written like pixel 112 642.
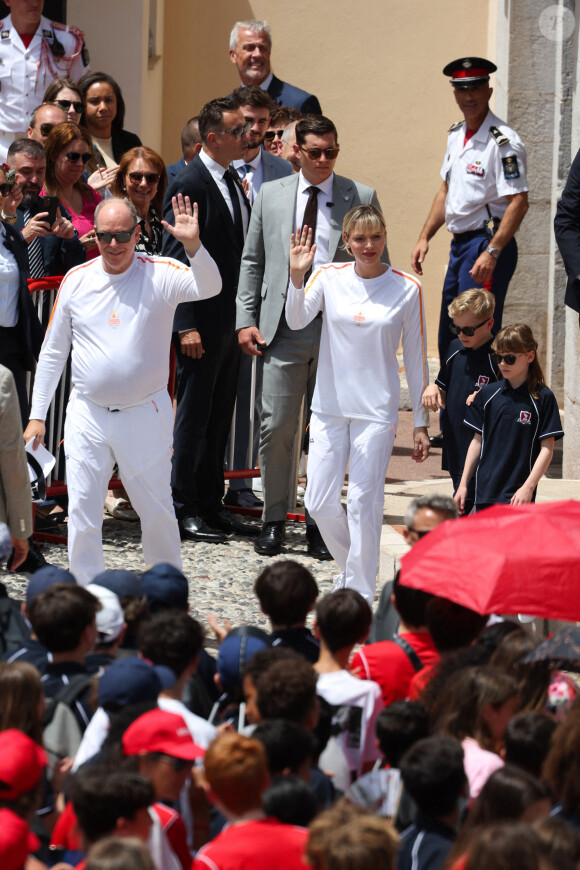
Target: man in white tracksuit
pixel 116 312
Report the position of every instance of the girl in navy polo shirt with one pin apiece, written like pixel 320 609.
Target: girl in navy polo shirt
pixel 515 421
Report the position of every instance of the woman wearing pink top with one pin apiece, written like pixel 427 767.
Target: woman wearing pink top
pixel 68 150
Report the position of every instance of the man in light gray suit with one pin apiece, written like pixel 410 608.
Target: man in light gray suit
pixel 254 168
pixel 319 198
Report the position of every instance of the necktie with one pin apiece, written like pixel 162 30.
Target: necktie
pixel 243 170
pixel 309 219
pixel 238 223
pixel 35 258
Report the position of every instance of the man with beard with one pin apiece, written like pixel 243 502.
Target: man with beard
pixel 255 167
pixel 52 250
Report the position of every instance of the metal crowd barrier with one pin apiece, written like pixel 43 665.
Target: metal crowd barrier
pixel 44 291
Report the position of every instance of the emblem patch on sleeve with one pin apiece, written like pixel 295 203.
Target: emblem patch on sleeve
pixel 510 166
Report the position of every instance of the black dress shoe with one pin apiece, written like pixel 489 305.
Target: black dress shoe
pixel 269 541
pixel 316 546
pixel 33 562
pixel 436 440
pixel 194 529
pixel 229 524
pixel 243 498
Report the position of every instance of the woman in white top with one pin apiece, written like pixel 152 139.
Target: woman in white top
pixel 367 307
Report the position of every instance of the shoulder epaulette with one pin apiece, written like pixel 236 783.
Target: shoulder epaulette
pixel 455 126
pixel 500 138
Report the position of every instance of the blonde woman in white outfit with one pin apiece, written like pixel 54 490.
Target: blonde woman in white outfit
pixel 367 308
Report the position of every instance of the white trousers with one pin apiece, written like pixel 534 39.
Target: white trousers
pixel 139 439
pixel 353 538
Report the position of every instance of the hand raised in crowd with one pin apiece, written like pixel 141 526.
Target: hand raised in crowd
pixel 186 227
pixel 89 240
pixel 433 398
pixel 102 178
pixel 13 200
pixel 302 251
pixel 62 227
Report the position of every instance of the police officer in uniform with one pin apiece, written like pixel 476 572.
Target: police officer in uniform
pixel 33 52
pixel 483 198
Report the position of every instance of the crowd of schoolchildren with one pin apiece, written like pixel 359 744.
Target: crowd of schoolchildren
pixel 124 745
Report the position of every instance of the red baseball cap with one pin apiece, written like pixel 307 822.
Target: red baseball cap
pixel 16 841
pixel 21 764
pixel 161 731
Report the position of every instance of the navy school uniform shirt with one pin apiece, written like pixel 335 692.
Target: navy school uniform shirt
pixel 464 371
pixel 512 424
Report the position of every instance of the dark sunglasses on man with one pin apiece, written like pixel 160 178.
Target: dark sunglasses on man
pixel 270 135
pixel 315 153
pixel 122 237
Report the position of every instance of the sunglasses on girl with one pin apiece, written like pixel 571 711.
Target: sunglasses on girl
pixel 66 104
pixel 507 358
pixel 122 236
pixel 74 156
pixel 150 177
pixel 466 330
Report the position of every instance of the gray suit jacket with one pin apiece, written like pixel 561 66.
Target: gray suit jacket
pixel 265 267
pixel 275 167
pixel 15 496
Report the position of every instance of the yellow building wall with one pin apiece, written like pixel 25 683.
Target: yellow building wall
pixel 375 67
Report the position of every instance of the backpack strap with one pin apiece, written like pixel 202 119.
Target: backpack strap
pixel 68 695
pixel 409 652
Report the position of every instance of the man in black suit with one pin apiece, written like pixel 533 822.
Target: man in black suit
pixel 50 251
pixel 567 230
pixel 207 350
pixel 250 49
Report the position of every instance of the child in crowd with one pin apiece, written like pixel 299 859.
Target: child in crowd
pixel 287 592
pixel 469 366
pixel 343 619
pixel 515 422
pixel 527 740
pixel 119 853
pixel 345 837
pixel 399 726
pixel 476 709
pixel 236 776
pixel 433 773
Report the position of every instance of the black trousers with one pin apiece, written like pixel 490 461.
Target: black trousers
pixel 206 394
pixel 11 357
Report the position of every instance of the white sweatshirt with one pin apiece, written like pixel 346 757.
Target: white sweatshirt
pixel 363 321
pixel 119 327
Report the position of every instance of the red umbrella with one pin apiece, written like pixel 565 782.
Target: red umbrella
pixel 523 559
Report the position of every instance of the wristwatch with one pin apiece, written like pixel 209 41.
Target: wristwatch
pixel 493 252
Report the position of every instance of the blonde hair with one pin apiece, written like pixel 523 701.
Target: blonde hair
pixel 368 216
pixel 347 838
pixel 479 302
pixel 518 338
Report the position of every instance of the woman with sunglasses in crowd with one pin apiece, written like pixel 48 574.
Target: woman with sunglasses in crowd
pixel 67 94
pixel 142 179
pixel 515 423
pixel 68 150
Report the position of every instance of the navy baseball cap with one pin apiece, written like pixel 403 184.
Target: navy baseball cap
pixel 119 581
pixel 46 577
pixel 165 588
pixel 128 681
pixel 235 650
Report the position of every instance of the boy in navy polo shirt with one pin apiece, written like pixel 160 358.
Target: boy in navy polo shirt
pixel 468 367
pixel 515 423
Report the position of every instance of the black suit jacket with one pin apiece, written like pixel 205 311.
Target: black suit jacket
pixel 59 255
pixel 567 230
pixel 122 141
pixel 215 316
pixel 30 332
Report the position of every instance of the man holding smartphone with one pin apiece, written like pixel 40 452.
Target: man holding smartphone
pixel 53 243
